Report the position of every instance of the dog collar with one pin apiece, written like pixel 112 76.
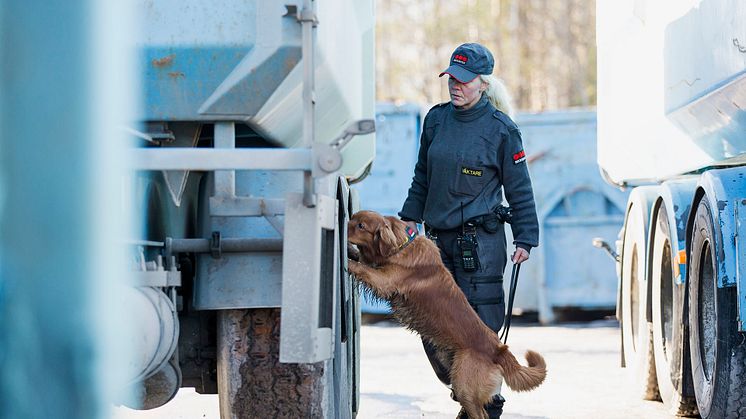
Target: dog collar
pixel 411 235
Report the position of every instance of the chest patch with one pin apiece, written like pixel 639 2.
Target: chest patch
pixel 519 157
pixel 471 172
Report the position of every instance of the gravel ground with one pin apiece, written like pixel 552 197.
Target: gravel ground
pixel 584 380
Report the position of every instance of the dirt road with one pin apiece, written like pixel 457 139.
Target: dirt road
pixel 584 379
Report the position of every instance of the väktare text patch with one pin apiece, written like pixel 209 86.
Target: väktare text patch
pixel 471 172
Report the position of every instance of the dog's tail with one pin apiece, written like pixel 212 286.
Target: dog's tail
pixel 518 377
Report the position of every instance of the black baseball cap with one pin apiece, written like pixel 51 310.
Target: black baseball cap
pixel 468 61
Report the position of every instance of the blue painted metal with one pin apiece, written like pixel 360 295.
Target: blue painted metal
pixel 240 62
pixel 677 196
pixel 716 121
pixel 740 207
pixel 574 206
pixel 397 142
pixel 63 341
pixel 189 49
pixel 705 77
pixel 250 280
pixel 724 188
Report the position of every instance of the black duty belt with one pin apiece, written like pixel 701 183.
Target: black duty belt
pixel 489 222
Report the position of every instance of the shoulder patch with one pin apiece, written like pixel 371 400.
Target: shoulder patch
pixel 519 157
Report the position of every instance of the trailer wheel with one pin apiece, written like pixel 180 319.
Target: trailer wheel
pixel 670 342
pixel 636 334
pixel 717 348
pixel 252 383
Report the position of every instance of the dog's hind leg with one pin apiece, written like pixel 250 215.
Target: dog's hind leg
pixel 472 382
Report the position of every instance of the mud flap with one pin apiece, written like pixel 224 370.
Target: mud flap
pixel 309 272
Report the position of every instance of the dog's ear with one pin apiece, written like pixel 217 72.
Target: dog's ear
pixel 386 239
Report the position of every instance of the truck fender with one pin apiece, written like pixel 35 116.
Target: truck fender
pixel 725 189
pixel 676 195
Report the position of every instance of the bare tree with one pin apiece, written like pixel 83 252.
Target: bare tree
pixel 544 49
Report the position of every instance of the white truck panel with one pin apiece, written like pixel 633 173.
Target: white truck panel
pixel 640 51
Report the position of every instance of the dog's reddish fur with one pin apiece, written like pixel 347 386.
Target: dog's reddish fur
pixel 424 297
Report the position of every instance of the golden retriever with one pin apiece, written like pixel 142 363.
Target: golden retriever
pixel 410 275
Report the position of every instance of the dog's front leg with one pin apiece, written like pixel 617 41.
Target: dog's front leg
pixel 378 280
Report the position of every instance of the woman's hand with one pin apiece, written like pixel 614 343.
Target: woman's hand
pixel 520 255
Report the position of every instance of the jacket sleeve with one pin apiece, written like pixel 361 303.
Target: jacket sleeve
pixel 518 191
pixel 414 205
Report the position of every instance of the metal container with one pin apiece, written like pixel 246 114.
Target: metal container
pixel 574 205
pixel 241 61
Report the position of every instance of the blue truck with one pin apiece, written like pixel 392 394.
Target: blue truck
pixel 255 117
pixel 672 129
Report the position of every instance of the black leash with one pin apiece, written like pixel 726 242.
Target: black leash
pixel 511 297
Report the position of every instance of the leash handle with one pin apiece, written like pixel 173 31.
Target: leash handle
pixel 511 298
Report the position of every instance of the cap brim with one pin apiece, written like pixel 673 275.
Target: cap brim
pixel 459 73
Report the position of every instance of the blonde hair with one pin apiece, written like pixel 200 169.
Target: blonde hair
pixel 498 94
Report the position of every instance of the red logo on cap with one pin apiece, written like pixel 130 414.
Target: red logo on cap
pixel 461 59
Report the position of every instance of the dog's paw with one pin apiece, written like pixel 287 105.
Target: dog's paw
pixel 353 253
pixel 354 267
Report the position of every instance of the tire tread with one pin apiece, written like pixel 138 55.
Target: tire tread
pixel 270 389
pixel 736 403
pixel 650 391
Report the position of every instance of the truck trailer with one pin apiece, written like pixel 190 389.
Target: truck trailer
pixel 255 116
pixel 672 128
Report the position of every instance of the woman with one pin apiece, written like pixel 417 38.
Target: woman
pixel 470 152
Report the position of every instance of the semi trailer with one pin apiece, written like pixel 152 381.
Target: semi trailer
pixel 672 130
pixel 254 119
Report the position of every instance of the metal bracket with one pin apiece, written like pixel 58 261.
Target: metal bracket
pixel 210 159
pixel 328 157
pixel 153 273
pixel 157 278
pixel 215 246
pixel 359 127
pixel 238 206
pixel 301 16
pixel 152 137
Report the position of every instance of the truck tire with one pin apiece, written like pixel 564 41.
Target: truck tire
pixel 718 352
pixel 252 383
pixel 636 333
pixel 670 339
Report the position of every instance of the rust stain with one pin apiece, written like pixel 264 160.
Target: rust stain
pixel 176 74
pixel 163 62
pixel 290 63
